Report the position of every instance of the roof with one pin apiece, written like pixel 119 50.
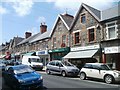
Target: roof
pixel 66 19
pixel 110 13
pixel 18 40
pixel 45 35
pixel 94 12
pixel 28 39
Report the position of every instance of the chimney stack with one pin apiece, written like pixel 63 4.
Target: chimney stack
pixel 43 28
pixel 28 34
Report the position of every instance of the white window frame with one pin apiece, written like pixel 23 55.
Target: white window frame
pixel 107 31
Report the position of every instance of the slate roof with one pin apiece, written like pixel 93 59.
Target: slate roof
pixel 27 40
pixel 94 11
pixel 66 19
pixel 110 13
pixel 45 35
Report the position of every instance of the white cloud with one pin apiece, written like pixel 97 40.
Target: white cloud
pixel 3 10
pixel 23 7
pixel 75 4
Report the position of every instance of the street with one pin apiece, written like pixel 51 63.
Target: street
pixel 59 82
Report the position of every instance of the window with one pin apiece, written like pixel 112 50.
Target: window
pixel 52 63
pixel 83 18
pixel 76 37
pixel 63 38
pixel 96 66
pixel 57 64
pixel 88 66
pixel 54 42
pixel 91 35
pixel 111 30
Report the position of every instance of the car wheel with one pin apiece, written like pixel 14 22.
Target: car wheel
pixel 63 73
pixel 109 79
pixel 48 71
pixel 82 76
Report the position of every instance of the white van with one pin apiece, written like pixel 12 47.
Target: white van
pixel 33 61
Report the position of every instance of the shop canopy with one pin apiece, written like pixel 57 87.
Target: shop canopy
pixel 81 54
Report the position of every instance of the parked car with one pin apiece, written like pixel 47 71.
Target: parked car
pixel 99 71
pixel 22 77
pixel 64 68
pixel 33 61
pixel 2 65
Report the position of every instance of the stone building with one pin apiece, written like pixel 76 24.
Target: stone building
pixel 85 36
pixel 59 42
pixel 110 20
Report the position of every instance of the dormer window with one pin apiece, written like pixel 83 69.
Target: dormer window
pixel 83 18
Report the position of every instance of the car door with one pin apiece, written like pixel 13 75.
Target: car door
pixel 57 67
pixel 52 67
pixel 95 71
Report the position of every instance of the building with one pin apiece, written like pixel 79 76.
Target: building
pixel 85 36
pixel 110 20
pixel 59 41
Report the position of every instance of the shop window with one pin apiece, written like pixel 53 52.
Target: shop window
pixel 83 18
pixel 111 30
pixel 91 35
pixel 54 42
pixel 76 37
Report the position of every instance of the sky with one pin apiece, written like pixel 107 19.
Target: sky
pixel 19 16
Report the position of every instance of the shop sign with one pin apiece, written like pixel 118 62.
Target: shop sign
pixel 42 52
pixel 60 50
pixel 109 50
pixel 85 48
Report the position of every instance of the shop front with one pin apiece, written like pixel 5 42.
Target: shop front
pixel 111 55
pixel 58 54
pixel 84 54
pixel 44 56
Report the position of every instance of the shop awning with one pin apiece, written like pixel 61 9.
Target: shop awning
pixel 81 54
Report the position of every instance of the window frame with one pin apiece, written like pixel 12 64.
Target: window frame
pixel 83 18
pixel 64 41
pixel 107 29
pixel 91 34
pixel 75 38
pixel 54 42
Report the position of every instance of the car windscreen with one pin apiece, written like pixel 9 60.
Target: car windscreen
pixel 35 60
pixel 23 69
pixel 66 63
pixel 105 67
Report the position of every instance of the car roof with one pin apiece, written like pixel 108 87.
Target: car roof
pixel 96 63
pixel 17 66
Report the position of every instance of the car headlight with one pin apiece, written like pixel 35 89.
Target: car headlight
pixel 21 81
pixel 40 78
pixel 116 74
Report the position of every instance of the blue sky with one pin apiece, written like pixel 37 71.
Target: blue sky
pixel 17 17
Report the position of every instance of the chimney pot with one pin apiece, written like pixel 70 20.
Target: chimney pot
pixel 43 28
pixel 28 34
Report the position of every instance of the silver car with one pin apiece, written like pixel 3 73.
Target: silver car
pixel 64 68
